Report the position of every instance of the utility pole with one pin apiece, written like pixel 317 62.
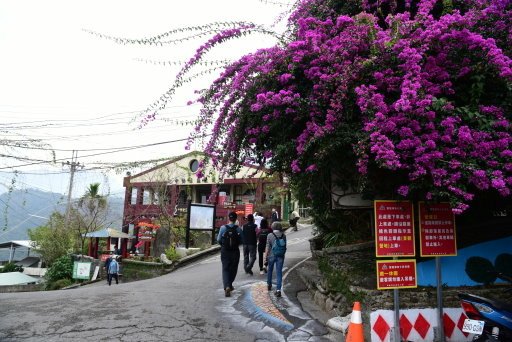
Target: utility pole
pixel 72 169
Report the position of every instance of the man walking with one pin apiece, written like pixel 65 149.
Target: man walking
pixel 229 238
pixel 275 216
pixel 276 249
pixel 257 218
pixel 107 264
pixel 294 217
pixel 249 234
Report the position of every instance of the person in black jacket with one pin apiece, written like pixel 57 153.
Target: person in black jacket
pixel 275 216
pixel 249 234
pixel 262 233
pixel 107 264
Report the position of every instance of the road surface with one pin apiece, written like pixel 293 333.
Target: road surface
pixel 185 305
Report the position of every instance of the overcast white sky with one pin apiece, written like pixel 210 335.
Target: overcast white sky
pixel 75 91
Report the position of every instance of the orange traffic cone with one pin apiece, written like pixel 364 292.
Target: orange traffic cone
pixel 355 329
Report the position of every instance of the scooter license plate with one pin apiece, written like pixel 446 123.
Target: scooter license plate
pixel 473 326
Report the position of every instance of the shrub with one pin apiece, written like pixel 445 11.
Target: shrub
pixel 11 267
pixel 59 284
pixel 62 268
pixel 171 254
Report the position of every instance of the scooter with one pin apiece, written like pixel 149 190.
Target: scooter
pixel 489 320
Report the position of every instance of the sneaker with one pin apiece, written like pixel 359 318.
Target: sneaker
pixel 278 293
pixel 250 272
pixel 261 272
pixel 227 292
pixel 269 287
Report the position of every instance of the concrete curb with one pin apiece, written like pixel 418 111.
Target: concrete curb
pixel 188 259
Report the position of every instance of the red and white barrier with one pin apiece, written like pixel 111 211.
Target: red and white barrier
pixel 417 325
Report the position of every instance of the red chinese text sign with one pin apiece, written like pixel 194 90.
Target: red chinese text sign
pixel 394 228
pixel 437 230
pixel 394 274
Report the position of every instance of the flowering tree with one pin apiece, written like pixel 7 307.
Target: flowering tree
pixel 402 98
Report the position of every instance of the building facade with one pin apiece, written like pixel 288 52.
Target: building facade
pixel 168 188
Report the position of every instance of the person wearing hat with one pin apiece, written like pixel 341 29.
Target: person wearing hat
pixel 230 237
pixel 113 270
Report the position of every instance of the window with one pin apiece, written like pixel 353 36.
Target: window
pixel 133 198
pixel 238 194
pixel 194 165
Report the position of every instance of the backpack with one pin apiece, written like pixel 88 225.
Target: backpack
pixel 231 238
pixel 262 239
pixel 279 246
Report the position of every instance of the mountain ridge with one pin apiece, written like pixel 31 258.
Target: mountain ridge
pixel 21 210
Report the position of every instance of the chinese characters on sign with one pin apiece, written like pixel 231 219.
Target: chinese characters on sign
pixel 249 209
pixel 81 270
pixel 437 230
pixel 394 228
pixel 392 274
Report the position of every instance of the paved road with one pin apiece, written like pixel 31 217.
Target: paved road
pixel 186 305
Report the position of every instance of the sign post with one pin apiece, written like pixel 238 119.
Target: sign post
pixel 437 238
pixel 394 236
pixel 200 217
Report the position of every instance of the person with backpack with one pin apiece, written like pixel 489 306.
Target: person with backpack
pixel 113 270
pixel 276 249
pixel 229 238
pixel 262 233
pixel 249 234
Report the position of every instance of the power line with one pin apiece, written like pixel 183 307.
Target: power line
pixel 103 153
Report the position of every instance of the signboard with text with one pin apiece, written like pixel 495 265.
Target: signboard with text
pixel 394 228
pixel 437 230
pixel 249 209
pixel 396 274
pixel 81 270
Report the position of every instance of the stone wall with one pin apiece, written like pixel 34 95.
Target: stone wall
pixel 20 288
pixel 132 270
pixel 357 263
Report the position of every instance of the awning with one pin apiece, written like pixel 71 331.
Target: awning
pixel 17 243
pixel 109 232
pixel 16 278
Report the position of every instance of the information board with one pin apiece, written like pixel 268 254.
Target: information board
pixel 437 230
pixel 394 228
pixel 396 274
pixel 202 216
pixel 81 270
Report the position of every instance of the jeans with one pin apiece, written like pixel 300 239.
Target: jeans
pixel 230 260
pixel 249 257
pixel 113 275
pixel 261 250
pixel 278 261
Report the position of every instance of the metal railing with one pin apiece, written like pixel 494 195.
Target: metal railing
pixel 304 212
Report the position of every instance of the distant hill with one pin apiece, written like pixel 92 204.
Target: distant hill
pixel 30 208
